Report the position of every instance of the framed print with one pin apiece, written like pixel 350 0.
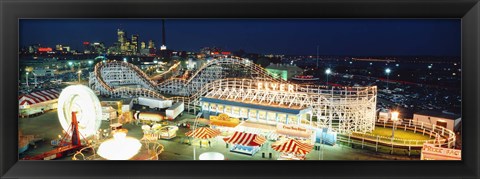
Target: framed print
pixel 239 89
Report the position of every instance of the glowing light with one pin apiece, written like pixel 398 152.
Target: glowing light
pixel 90 62
pixel 125 59
pixel 394 115
pixel 70 63
pixel 83 100
pixel 328 71
pixel 211 156
pixel 120 147
pixel 388 70
pixel 268 86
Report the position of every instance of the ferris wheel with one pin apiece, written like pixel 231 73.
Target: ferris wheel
pixel 83 101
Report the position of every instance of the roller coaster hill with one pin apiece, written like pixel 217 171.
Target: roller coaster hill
pixel 345 110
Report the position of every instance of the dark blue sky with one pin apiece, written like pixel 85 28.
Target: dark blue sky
pixel 287 36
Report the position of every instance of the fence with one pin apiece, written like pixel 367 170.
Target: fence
pixel 438 135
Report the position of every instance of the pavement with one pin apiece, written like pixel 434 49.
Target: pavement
pixel 48 127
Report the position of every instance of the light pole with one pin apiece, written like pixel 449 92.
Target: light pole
pixel 387 71
pixel 71 65
pixel 79 73
pixel 35 77
pixel 26 78
pixel 394 118
pixel 328 72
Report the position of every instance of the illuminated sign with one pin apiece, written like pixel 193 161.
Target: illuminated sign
pixel 290 127
pixel 48 49
pixel 86 43
pixel 268 86
pixel 430 152
pixel 226 53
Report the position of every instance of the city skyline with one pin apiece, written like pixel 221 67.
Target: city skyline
pixel 433 37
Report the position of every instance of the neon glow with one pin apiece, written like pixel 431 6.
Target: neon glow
pixel 276 87
pixel 120 147
pixel 83 100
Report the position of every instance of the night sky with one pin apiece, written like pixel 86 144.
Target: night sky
pixel 372 37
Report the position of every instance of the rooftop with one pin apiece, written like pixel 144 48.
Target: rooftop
pixel 273 108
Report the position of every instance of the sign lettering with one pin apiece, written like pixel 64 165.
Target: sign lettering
pixel 268 86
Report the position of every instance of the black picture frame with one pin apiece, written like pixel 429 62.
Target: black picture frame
pixel 467 10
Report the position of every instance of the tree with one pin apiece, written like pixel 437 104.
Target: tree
pixel 262 61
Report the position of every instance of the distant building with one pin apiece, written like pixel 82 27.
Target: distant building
pixel 135 43
pixel 44 72
pixel 151 44
pixel 447 120
pixel 58 47
pixel 284 71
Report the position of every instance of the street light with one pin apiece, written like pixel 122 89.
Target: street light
pixel 79 73
pixel 35 77
pixel 27 78
pixel 394 119
pixel 387 71
pixel 328 72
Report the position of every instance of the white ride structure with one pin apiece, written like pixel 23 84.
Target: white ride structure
pixel 343 109
pixel 80 99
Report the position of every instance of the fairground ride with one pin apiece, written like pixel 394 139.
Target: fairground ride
pixel 342 109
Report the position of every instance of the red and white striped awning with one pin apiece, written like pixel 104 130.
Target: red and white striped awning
pixel 203 133
pixel 38 97
pixel 246 139
pixel 292 146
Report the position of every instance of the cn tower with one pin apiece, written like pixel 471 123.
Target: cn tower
pixel 164 46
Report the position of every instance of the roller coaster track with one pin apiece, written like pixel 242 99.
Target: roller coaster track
pixel 206 74
pixel 126 73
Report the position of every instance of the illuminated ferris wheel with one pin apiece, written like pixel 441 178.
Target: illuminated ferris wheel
pixel 81 99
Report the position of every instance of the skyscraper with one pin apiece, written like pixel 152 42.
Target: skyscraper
pixel 151 44
pixel 121 36
pixel 135 43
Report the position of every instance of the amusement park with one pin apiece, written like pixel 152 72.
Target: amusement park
pixel 215 105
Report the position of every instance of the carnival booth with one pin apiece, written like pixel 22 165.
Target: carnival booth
pixel 223 120
pixel 224 124
pixel 168 132
pixel 245 143
pixel 292 149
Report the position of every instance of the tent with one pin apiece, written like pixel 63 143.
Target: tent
pixel 38 97
pixel 203 133
pixel 292 146
pixel 245 139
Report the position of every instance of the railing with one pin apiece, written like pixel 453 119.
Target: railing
pixel 438 135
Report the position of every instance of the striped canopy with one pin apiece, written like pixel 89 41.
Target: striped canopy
pixel 203 133
pixel 246 139
pixel 292 146
pixel 38 97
